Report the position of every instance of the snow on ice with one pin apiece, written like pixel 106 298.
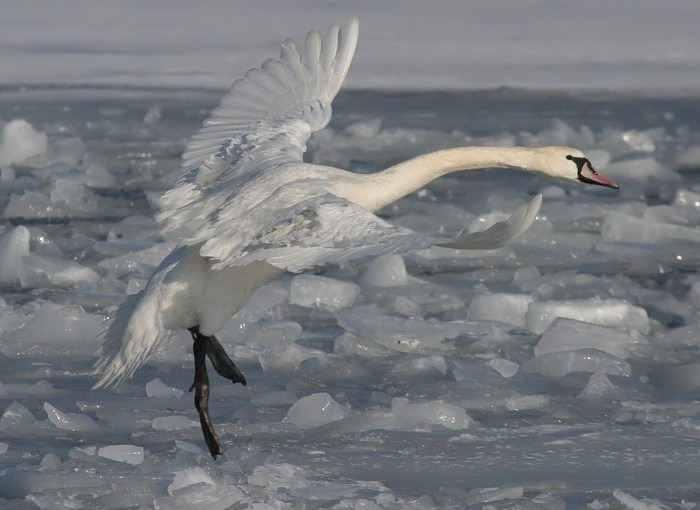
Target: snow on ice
pixel 560 371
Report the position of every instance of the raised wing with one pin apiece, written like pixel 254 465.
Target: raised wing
pixel 263 121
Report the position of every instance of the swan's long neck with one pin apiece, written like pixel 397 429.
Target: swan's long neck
pixel 387 186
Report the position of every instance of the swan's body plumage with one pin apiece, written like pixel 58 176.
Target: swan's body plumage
pixel 246 207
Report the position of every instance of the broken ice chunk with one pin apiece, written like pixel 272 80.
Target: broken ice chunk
pixel 605 312
pixel 572 335
pixel 599 387
pixel 315 410
pixel 158 389
pixel 20 141
pixel 187 477
pixel 13 247
pixel 126 453
pixel 311 290
pixel 385 271
pixel 435 412
pixel 77 422
pixel 558 364
pixel 175 422
pixel 501 307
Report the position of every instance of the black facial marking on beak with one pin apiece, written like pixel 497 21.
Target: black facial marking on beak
pixel 588 175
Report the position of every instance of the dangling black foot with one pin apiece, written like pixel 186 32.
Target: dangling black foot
pixel 209 346
pixel 201 396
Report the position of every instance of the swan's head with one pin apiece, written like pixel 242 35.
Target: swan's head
pixel 573 165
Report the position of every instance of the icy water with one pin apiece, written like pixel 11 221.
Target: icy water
pixel 560 372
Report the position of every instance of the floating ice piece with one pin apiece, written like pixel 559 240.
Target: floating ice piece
pixel 50 461
pixel 13 247
pixel 385 271
pixel 599 387
pixel 139 262
pixel 152 115
pixel 526 402
pixel 126 453
pixel 420 367
pixel 158 389
pixel 311 290
pixel 98 177
pixel 186 446
pixel 624 227
pixel 20 141
pixel 16 415
pixel 605 312
pixel 209 497
pixel 573 335
pixel 77 422
pixel 492 494
pixel 405 335
pixel 636 504
pixel 501 307
pixel 641 169
pixel 434 412
pixel 504 367
pixel 48 271
pixel 54 330
pixel 315 410
pixel 286 358
pixel 175 422
pixel 187 477
pixel 558 364
pixel 3 448
pixel 689 158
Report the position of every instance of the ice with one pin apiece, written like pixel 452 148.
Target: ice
pixel 625 227
pixel 599 387
pixel 3 448
pixel 54 330
pixel 553 400
pixel 504 367
pixel 152 115
pixel 561 363
pixel 16 415
pixel 188 477
pixel 385 271
pixel 20 141
pixel 310 290
pixel 604 312
pixel 127 453
pixel 635 504
pixel 430 413
pixel 565 335
pixel 75 422
pixel 158 389
pixel 689 157
pixel 315 410
pixel 177 422
pixel 501 307
pixel 50 461
pixel 13 247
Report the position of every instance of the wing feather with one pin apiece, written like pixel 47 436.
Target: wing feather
pixel 263 122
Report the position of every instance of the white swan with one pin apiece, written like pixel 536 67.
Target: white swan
pixel 248 208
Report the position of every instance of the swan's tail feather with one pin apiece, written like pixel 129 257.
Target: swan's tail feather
pixel 132 336
pixel 501 233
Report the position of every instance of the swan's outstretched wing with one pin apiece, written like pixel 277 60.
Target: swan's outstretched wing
pixel 327 229
pixel 501 233
pixel 263 122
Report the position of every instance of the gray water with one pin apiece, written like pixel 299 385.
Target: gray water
pixel 519 412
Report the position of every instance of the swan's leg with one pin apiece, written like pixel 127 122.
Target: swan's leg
pixel 201 395
pixel 222 363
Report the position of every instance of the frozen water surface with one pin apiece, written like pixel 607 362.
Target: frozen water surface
pixel 559 371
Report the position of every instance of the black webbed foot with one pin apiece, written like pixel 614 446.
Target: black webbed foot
pixel 201 396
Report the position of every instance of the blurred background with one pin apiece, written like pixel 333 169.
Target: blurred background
pixel 411 44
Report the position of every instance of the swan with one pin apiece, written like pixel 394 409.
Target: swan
pixel 246 208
